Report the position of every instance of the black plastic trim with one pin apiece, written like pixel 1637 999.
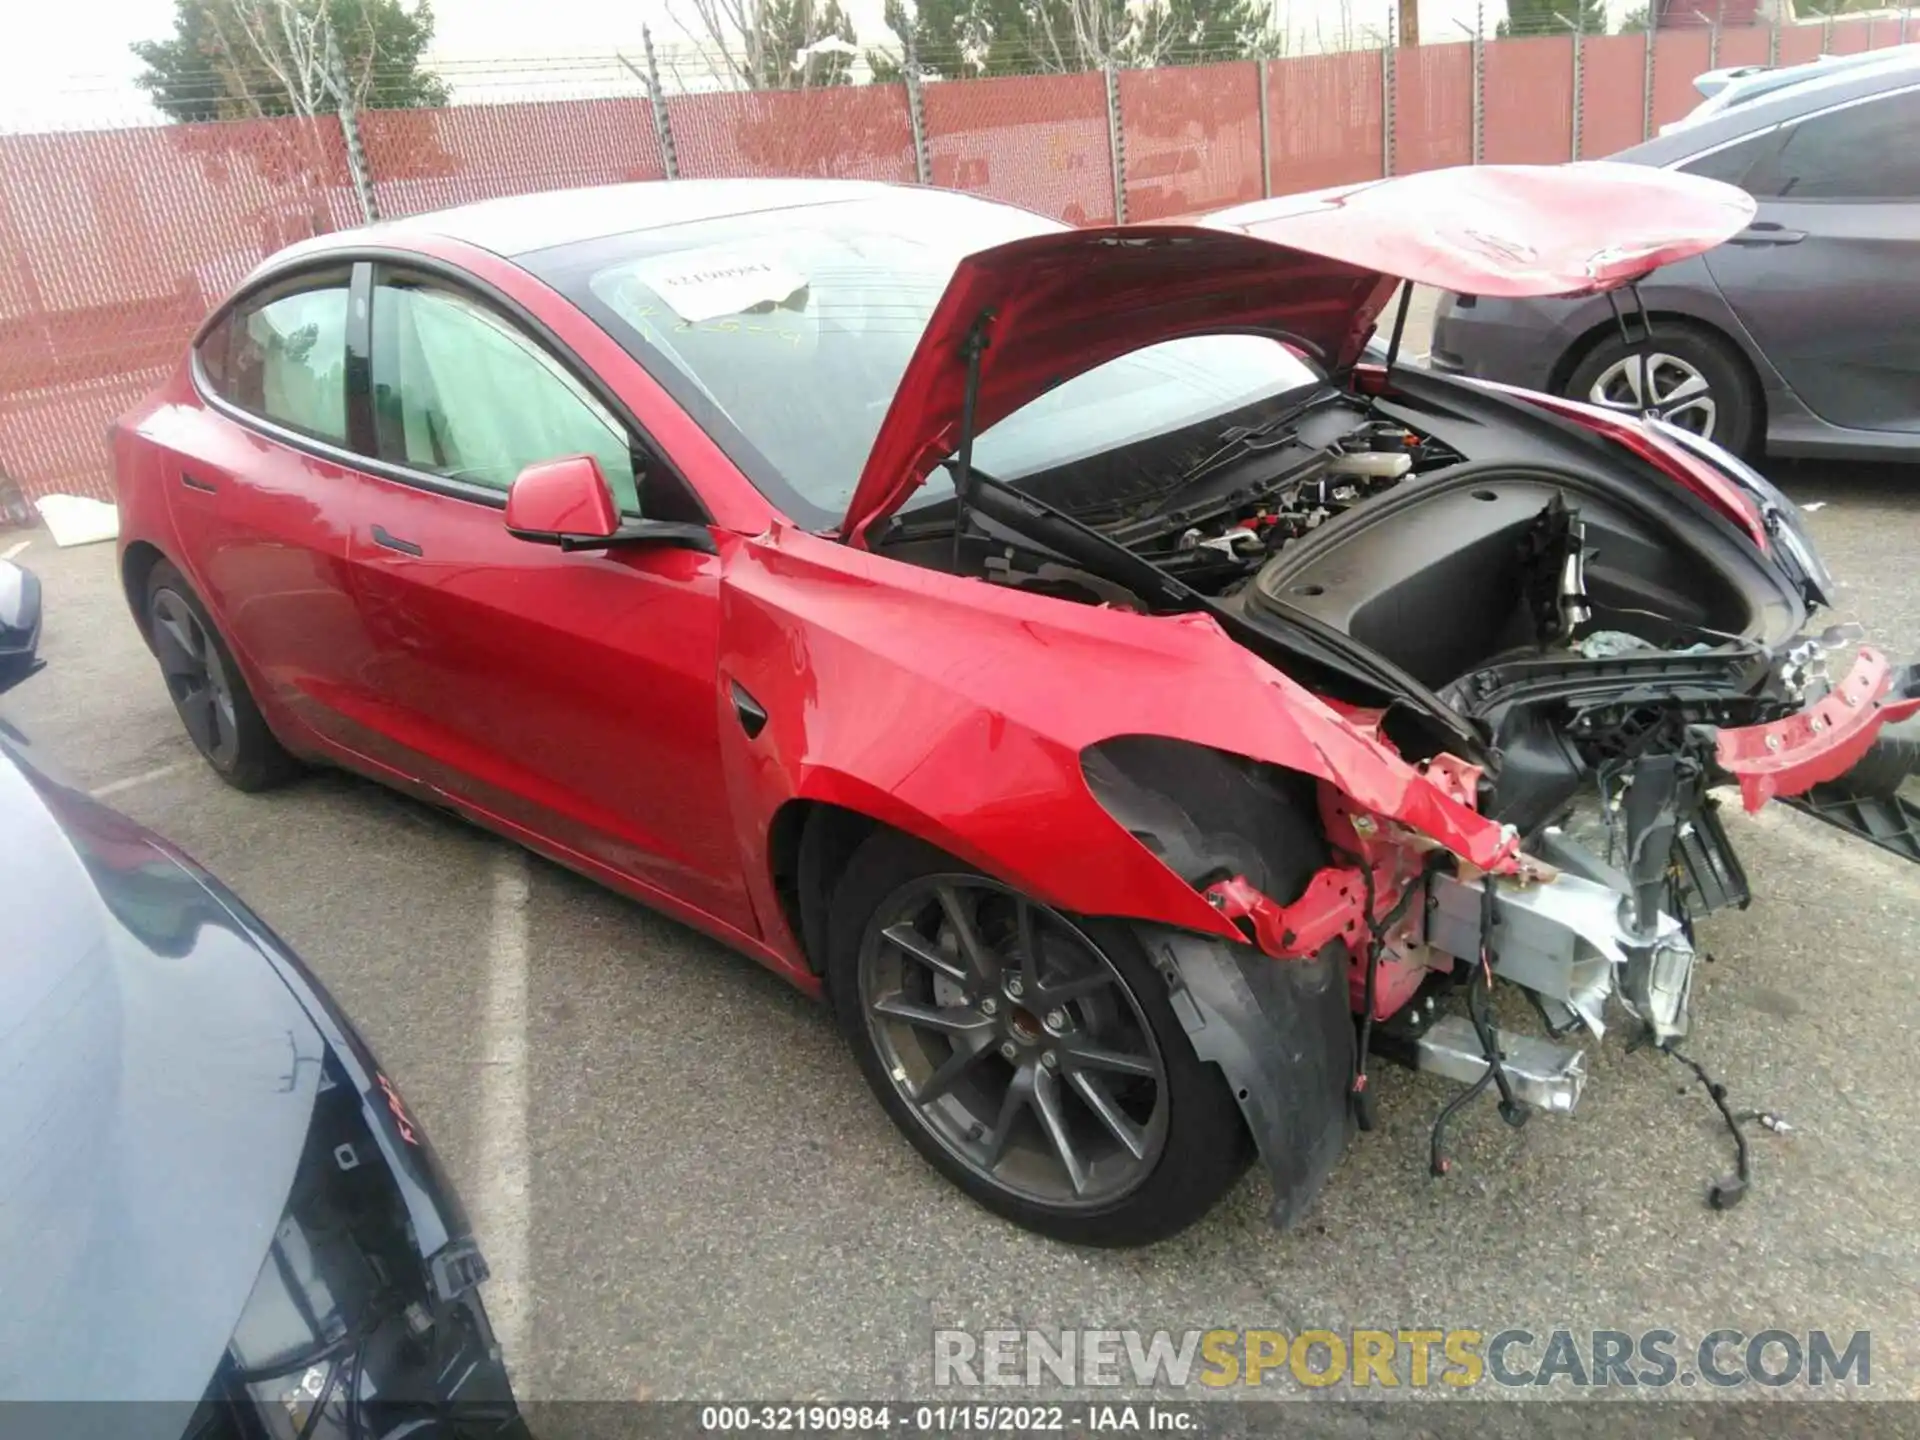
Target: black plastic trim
pixel 394 542
pixel 753 716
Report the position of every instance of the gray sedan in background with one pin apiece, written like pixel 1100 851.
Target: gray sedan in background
pixel 1799 336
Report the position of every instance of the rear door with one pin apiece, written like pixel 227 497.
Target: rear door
pixel 570 695
pixel 1824 278
pixel 259 485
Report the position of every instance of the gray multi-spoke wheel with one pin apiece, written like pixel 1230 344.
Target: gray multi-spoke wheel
pixel 206 687
pixel 1031 1055
pixel 1692 378
pixel 1015 1040
pixel 1665 385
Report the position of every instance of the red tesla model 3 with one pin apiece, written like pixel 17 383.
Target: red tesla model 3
pixel 1073 653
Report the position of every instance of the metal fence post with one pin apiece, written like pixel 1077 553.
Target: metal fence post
pixel 350 130
pixel 1479 82
pixel 1389 94
pixel 1116 145
pixel 917 112
pixel 1266 134
pixel 1646 87
pixel 662 124
pixel 1579 80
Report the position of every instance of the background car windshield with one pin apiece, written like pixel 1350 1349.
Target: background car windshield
pixel 785 334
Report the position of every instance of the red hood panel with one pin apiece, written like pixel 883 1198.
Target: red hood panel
pixel 1506 230
pixel 1314 270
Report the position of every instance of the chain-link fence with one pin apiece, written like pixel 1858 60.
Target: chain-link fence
pixel 113 243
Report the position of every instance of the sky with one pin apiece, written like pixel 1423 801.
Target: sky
pixel 59 74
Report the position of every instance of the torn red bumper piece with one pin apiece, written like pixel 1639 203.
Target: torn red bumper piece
pixel 1792 755
pixel 1332 908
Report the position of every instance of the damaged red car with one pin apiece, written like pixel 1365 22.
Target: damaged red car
pixel 1088 658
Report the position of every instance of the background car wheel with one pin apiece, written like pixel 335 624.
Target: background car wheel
pixel 208 691
pixel 1698 382
pixel 1032 1057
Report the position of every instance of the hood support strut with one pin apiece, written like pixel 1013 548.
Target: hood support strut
pixel 1399 323
pixel 973 347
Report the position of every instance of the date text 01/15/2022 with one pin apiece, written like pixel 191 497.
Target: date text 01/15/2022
pixel 947 1419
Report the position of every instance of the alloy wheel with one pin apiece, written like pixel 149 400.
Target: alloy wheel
pixel 1677 392
pixel 196 677
pixel 1013 1039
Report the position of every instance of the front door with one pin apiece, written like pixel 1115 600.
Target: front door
pixel 1824 277
pixel 571 695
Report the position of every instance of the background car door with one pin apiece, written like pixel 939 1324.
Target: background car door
pixel 1824 278
pixel 261 509
pixel 571 694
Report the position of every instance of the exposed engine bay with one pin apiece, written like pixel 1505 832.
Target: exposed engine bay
pixel 1547 624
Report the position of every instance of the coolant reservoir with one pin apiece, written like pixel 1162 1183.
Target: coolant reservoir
pixel 1373 464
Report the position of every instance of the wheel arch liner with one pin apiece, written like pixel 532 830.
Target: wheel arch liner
pixel 1283 1037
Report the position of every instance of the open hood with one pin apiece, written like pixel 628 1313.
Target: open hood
pixel 1313 270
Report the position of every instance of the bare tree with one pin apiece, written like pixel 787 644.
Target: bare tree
pixel 300 47
pixel 772 44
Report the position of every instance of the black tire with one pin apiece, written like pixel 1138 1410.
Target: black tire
pixel 208 691
pixel 1738 410
pixel 1203 1144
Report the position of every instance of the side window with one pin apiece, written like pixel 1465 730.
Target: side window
pixel 1736 163
pixel 458 391
pixel 1864 152
pixel 284 358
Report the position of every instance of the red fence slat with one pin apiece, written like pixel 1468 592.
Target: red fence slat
pixel 1529 106
pixel 431 159
pixel 1324 120
pixel 853 132
pixel 1613 76
pixel 1745 45
pixel 113 245
pixel 1039 141
pixel 1191 138
pixel 1799 43
pixel 1680 58
pixel 1433 107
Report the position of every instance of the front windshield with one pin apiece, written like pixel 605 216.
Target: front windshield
pixel 785 333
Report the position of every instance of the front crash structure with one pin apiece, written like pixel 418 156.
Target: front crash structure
pixel 1593 921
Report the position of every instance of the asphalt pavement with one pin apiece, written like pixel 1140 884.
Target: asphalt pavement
pixel 688 1191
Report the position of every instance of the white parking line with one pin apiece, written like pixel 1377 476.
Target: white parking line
pixel 14 549
pixel 135 781
pixel 502 1202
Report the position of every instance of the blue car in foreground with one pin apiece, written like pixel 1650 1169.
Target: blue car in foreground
pixel 213 1201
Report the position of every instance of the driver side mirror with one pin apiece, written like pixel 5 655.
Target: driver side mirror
pixel 569 504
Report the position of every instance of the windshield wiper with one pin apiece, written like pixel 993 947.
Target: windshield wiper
pixel 1237 442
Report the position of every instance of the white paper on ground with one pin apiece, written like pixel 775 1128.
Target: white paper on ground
pixel 76 520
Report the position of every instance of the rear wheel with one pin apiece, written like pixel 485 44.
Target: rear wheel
pixel 1691 379
pixel 1031 1057
pixel 209 693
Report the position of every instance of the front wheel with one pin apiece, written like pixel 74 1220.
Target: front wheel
pixel 1031 1057
pixel 1690 378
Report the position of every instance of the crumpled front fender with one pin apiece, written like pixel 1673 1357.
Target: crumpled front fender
pixel 960 711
